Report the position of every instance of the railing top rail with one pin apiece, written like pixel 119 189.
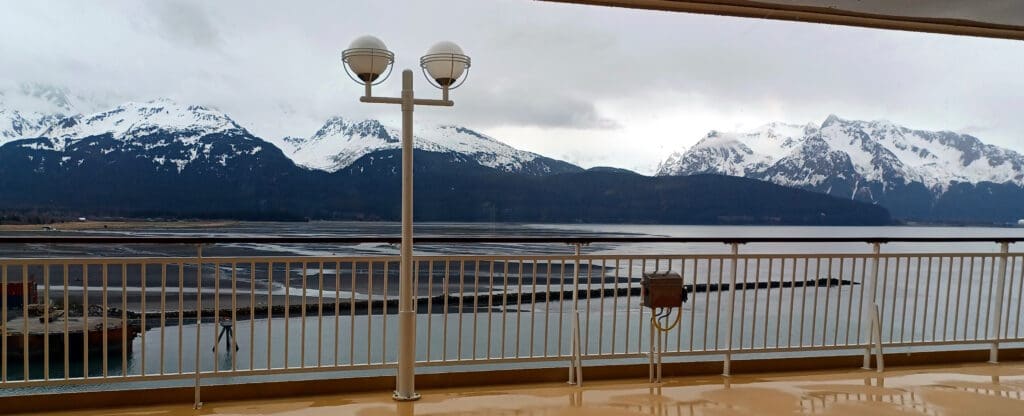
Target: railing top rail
pixel 193 240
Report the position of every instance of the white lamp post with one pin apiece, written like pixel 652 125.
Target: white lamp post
pixel 368 61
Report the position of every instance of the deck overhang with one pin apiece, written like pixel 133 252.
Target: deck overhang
pixel 983 18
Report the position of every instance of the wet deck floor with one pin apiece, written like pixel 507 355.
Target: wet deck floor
pixel 973 389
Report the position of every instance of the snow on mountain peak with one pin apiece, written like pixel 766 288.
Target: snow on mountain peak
pixel 133 119
pixel 878 152
pixel 484 149
pixel 830 120
pixel 27 109
pixel 163 131
pixel 349 130
pixel 734 153
pixel 15 125
pixel 340 142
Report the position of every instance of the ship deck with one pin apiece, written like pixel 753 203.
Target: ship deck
pixel 968 389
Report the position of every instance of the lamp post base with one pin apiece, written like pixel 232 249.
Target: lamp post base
pixel 399 398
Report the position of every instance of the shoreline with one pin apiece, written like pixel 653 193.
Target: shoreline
pixel 116 225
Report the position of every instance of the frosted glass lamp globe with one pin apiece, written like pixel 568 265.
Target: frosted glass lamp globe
pixel 368 58
pixel 445 63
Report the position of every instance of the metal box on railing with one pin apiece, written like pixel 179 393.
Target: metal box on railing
pixel 662 290
pixel 16 295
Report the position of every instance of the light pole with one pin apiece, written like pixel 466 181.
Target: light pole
pixel 368 61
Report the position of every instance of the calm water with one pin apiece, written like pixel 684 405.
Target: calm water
pixel 542 328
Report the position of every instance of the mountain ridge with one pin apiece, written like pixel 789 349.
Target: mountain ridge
pixel 838 158
pixel 340 142
pixel 161 158
pixel 935 158
pixel 873 161
pixel 336 145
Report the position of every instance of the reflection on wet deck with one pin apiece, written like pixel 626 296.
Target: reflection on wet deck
pixel 974 389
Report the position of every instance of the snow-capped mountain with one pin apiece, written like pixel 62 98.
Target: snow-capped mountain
pixel 149 159
pixel 736 154
pixel 874 161
pixel 166 134
pixel 27 109
pixel 16 125
pixel 341 142
pixel 169 133
pixel 873 151
pixel 132 121
pixel 164 159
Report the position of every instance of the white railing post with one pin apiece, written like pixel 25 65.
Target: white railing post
pixel 869 308
pixel 727 364
pixel 651 353
pixel 197 403
pixel 876 319
pixel 3 312
pixel 576 362
pixel 997 316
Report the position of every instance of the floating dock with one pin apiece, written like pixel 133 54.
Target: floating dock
pixel 81 332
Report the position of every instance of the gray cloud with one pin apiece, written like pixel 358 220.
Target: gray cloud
pixel 526 108
pixel 184 22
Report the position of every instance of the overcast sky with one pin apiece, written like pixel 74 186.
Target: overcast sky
pixel 595 86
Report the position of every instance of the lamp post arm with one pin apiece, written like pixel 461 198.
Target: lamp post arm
pixel 440 103
pixel 368 97
pixel 380 100
pixel 415 101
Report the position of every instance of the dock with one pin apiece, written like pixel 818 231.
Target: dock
pixel 82 332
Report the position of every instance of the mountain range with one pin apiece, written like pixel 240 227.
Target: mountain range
pixel 916 174
pixel 165 159
pixel 340 143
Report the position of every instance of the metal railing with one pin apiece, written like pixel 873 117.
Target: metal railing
pixel 154 318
